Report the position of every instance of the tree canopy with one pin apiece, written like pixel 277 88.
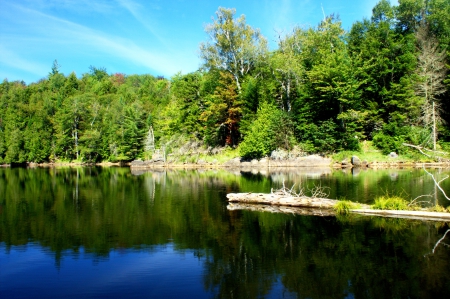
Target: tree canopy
pixel 322 90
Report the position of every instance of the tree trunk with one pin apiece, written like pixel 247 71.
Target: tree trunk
pixel 434 128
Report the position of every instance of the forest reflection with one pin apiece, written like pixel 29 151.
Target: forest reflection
pixel 244 253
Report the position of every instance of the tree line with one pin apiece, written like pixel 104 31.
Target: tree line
pixel 322 90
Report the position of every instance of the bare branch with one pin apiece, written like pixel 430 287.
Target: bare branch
pixel 414 200
pixel 439 241
pixel 437 183
pixel 421 149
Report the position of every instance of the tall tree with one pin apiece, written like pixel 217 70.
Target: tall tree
pixel 223 113
pixel 187 92
pixel 233 45
pixel 431 72
pixel 287 68
pixel 386 61
pixel 330 88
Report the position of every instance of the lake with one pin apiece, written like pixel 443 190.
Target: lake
pixel 115 233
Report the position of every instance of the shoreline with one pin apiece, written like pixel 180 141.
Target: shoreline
pixel 312 161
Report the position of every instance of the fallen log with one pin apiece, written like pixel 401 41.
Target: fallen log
pixel 304 205
pixel 417 215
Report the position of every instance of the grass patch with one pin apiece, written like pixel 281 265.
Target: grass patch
pixel 437 208
pixel 223 155
pixel 390 203
pixel 343 207
pixel 370 153
pixel 400 204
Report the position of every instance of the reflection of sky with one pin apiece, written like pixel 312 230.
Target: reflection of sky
pixel 30 272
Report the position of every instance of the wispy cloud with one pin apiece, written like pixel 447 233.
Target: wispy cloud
pixel 67 34
pixel 83 6
pixel 11 59
pixel 135 9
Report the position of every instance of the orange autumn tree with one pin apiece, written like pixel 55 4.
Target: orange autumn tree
pixel 223 113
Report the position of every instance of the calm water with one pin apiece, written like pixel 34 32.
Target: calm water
pixel 111 233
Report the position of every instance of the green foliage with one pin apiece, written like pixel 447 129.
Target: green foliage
pixel 250 97
pixel 437 208
pixel 234 46
pixel 390 203
pixel 391 138
pixel 222 113
pixel 323 89
pixel 385 62
pixel 187 93
pixel 323 137
pixel 343 207
pixel 269 131
pixel 327 137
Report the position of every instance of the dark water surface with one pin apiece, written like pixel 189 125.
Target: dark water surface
pixel 111 233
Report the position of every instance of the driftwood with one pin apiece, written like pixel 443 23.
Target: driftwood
pixel 422 150
pixel 304 205
pixel 418 215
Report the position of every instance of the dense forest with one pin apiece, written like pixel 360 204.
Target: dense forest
pixel 322 90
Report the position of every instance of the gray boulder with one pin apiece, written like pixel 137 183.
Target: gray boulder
pixel 393 155
pixel 233 162
pixel 356 161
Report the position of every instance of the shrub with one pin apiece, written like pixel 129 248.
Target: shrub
pixel 320 138
pixel 391 138
pixel 270 130
pixel 327 137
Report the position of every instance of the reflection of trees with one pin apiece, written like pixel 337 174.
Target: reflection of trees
pixel 323 258
pixel 245 253
pixel 106 208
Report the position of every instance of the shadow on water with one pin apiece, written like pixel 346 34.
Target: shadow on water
pixel 94 212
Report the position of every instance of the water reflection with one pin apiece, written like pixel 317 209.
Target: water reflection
pixel 112 219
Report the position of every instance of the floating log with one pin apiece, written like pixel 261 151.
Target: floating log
pixel 418 215
pixel 281 202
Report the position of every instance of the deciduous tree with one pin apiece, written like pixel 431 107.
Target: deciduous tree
pixel 233 45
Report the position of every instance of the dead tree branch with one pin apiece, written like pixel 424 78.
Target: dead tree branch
pixel 438 242
pixel 413 202
pixel 421 149
pixel 437 183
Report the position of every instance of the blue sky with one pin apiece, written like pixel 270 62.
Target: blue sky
pixel 158 37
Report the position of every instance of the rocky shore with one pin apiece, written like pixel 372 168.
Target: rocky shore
pixel 310 161
pixel 304 162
